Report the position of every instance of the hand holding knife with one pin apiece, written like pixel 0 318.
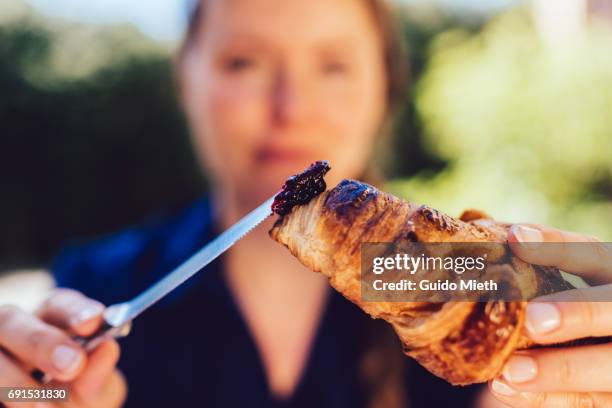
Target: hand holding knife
pixel 118 317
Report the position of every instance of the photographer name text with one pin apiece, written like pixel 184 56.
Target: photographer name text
pixel 404 263
pixel 439 285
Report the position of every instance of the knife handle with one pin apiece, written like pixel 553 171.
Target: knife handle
pixel 90 343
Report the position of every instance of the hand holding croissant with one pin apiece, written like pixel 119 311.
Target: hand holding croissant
pixel 461 342
pixel 568 376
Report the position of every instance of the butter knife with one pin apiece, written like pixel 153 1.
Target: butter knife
pixel 118 317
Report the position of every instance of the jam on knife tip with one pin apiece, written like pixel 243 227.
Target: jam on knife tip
pixel 300 188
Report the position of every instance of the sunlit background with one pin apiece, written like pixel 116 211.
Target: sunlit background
pixel 509 110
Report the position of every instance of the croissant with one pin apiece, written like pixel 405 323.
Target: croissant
pixel 461 342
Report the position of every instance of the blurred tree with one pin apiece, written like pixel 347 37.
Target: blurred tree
pixel 84 155
pixel 407 154
pixel 526 129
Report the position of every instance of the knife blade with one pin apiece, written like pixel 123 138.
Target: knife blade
pixel 120 314
pixel 118 317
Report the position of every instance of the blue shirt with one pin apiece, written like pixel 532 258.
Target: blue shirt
pixel 194 348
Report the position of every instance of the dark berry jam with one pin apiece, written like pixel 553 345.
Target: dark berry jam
pixel 301 188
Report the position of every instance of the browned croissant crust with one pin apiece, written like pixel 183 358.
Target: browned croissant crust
pixel 462 342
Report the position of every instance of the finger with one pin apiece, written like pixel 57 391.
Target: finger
pixel 516 399
pixel 549 321
pixel 100 366
pixel 486 399
pixel 572 252
pixel 72 311
pixel 114 392
pixel 37 343
pixel 31 405
pixel 11 375
pixel 561 370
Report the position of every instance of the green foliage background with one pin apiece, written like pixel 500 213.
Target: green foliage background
pixel 525 126
pixel 92 138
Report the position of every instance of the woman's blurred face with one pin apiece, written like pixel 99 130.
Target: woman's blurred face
pixel 273 85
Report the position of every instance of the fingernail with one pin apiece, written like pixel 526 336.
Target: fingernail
pixel 501 388
pixel 66 358
pixel 542 318
pixel 520 369
pixel 528 235
pixel 87 313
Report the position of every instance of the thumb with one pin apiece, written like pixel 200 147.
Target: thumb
pixel 101 365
